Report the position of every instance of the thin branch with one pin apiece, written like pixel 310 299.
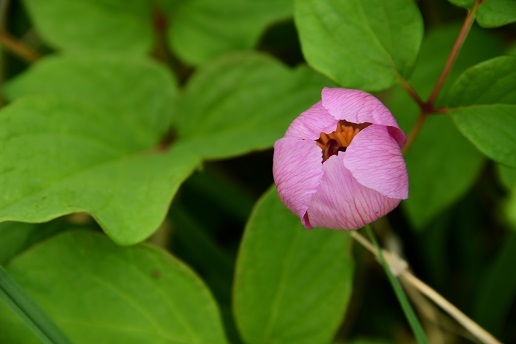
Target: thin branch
pixel 400 268
pixel 445 305
pixel 412 92
pixel 470 18
pixel 17 47
pixel 414 132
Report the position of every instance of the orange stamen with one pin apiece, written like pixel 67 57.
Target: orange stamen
pixel 340 139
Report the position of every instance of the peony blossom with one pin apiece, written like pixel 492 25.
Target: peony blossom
pixel 340 164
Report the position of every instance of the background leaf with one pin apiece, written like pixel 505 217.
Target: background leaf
pixel 492 13
pixel 507 176
pixel 434 186
pixel 480 96
pixel 61 157
pixel 442 166
pixel 491 129
pixel 229 111
pixel 202 30
pixel 94 25
pixel 358 43
pixel 128 88
pixel 291 285
pixel 489 82
pixel 119 294
pixel 18 236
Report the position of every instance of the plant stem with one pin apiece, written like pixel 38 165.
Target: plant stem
pixel 398 290
pixel 449 308
pixel 409 278
pixel 18 48
pixel 470 18
pixel 21 304
pixel 414 132
pixel 404 83
pixel 428 106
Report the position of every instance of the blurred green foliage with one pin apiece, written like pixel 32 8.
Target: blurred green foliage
pixel 148 112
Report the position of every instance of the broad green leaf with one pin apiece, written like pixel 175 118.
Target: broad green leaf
pixel 489 82
pixel 481 96
pixel 442 166
pixel 497 292
pixel 18 236
pixel 21 304
pixel 434 185
pixel 202 30
pixel 60 157
pixel 364 44
pixel 98 292
pixel 129 88
pixel 507 176
pixel 492 13
pixel 94 25
pixel 291 285
pixel 244 102
pixel 491 128
pixel 14 237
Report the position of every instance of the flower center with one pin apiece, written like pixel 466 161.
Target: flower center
pixel 338 140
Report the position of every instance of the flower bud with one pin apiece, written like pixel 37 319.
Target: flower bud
pixel 340 164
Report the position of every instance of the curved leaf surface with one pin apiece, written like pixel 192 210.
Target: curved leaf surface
pixel 364 44
pixel 244 102
pixel 136 294
pixel 291 285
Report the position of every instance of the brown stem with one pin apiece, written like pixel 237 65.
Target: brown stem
pixel 453 54
pixel 412 92
pixel 18 48
pixel 414 132
pixel 160 23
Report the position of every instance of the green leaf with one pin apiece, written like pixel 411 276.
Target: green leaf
pixel 94 25
pixel 498 289
pixel 14 237
pixel 490 128
pixel 492 13
pixel 364 44
pixel 479 46
pixel 202 30
pixel 102 135
pixel 60 157
pixel 442 166
pixel 229 112
pixel 434 185
pixel 292 285
pixel 489 82
pixel 17 236
pixel 23 306
pixel 481 97
pixel 132 89
pixel 136 294
pixel 507 176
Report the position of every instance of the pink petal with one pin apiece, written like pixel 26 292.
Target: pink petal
pixel 297 170
pixel 343 203
pixel 374 158
pixel 356 106
pixel 311 123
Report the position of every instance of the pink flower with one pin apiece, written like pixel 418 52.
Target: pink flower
pixel 340 165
